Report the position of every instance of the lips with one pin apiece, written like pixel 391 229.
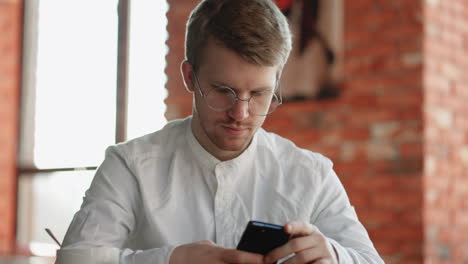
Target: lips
pixel 235 131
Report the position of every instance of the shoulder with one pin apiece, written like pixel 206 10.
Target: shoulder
pixel 286 150
pixel 293 158
pixel 157 143
pixel 299 175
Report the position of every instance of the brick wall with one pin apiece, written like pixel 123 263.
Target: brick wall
pixel 383 96
pixel 179 101
pixel 446 132
pixel 10 43
pixel 373 132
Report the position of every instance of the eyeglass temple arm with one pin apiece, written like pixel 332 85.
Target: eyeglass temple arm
pixel 278 87
pixel 197 83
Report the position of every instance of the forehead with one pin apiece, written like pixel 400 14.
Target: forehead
pixel 220 64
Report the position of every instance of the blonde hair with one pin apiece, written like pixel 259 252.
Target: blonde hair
pixel 255 29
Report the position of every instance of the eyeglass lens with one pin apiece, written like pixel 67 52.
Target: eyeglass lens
pixel 260 103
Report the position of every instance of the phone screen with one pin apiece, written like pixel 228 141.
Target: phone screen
pixel 261 238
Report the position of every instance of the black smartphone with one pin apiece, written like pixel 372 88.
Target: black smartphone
pixel 261 238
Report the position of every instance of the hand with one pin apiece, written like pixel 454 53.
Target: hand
pixel 207 252
pixel 309 245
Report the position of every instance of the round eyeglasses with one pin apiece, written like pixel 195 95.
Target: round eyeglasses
pixel 223 98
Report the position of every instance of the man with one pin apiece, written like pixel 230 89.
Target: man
pixel 184 194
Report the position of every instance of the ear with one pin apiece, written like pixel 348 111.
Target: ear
pixel 187 75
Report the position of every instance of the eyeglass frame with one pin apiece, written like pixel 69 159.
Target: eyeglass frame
pixel 236 98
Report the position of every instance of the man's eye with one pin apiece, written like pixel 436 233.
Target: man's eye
pixel 223 90
pixel 261 93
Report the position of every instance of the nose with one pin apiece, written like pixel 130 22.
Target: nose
pixel 240 110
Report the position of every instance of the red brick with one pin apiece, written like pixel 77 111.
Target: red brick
pixel 362 100
pixel 401 167
pixel 378 218
pixel 352 169
pixel 10 30
pixel 411 216
pixel 437 217
pixel 359 200
pixel 372 50
pixel 410 182
pixel 388 247
pixel 412 250
pixel 364 116
pixel 375 183
pixel 401 32
pixel 356 134
pixel 446 194
pixel 409 99
pixel 411 149
pixel 327 150
pixel 355 35
pixel 394 200
pixel 400 233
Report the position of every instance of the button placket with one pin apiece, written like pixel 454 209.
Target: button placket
pixel 225 224
pixel 220 206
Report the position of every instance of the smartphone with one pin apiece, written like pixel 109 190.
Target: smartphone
pixel 261 238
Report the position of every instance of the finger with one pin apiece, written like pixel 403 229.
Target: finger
pixel 297 228
pixel 311 255
pixel 324 261
pixel 293 246
pixel 206 242
pixel 241 257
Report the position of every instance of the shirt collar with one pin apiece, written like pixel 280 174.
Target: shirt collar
pixel 210 161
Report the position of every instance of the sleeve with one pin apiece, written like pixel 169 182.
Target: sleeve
pixel 336 218
pixel 108 214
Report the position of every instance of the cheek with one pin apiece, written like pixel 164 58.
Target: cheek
pixel 203 111
pixel 208 117
pixel 258 121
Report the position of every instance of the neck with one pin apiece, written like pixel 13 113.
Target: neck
pixel 208 145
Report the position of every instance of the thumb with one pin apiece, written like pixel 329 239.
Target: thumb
pixel 324 261
pixel 206 242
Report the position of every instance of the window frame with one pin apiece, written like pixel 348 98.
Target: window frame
pixel 25 168
pixel 25 165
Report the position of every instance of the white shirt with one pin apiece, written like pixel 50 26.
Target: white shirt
pixel 162 190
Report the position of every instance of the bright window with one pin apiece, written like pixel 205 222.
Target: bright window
pixel 147 62
pixel 75 82
pixel 69 117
